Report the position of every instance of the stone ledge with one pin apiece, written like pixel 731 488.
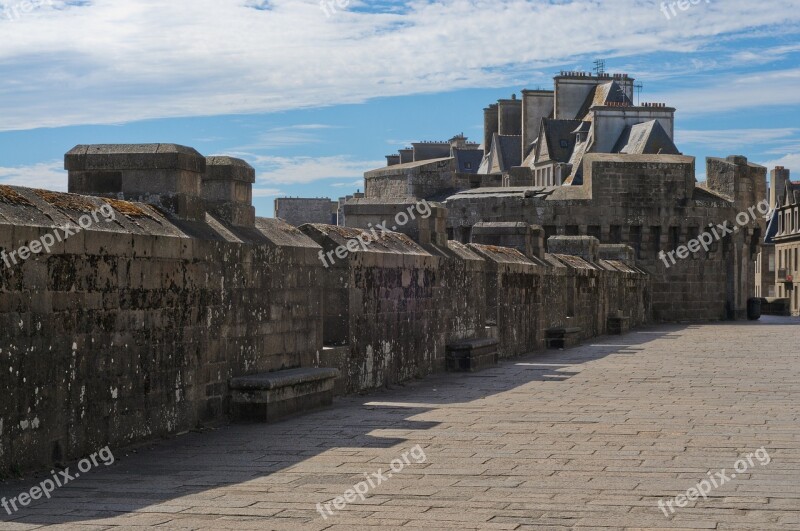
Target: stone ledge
pixel 563 337
pixel 271 396
pixel 618 326
pixel 472 355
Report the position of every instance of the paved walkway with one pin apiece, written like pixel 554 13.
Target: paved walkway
pixel 591 437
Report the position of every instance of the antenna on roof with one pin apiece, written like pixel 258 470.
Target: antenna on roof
pixel 600 67
pixel 638 87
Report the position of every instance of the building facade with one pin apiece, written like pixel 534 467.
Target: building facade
pixel 787 244
pixel 584 160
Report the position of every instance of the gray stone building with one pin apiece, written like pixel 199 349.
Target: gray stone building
pixel 583 160
pixel 299 210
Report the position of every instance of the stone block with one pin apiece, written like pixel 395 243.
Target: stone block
pixel 586 247
pixel 563 337
pixel 472 355
pixel 271 396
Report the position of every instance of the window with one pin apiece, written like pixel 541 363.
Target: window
pixel 674 237
pixel 549 230
pixel 468 165
pixel 616 234
pixel 655 240
pixel 636 240
pixel 572 230
pixel 593 230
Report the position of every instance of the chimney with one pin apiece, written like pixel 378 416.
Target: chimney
pixel 167 176
pixel 536 104
pixel 777 185
pixel 228 190
pixel 406 155
pixel 510 116
pixel 490 126
pixel 392 160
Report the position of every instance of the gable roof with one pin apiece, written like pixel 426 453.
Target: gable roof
pixel 506 153
pixel 647 138
pixel 553 132
pixel 601 95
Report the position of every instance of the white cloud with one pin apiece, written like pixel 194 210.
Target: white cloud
pixel 766 55
pixel 281 137
pixel 736 138
pixel 790 160
pixel 266 192
pixel 359 182
pixel 737 91
pixel 45 175
pixel 304 170
pixel 112 61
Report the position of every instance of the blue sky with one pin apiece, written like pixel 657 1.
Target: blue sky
pixel 313 100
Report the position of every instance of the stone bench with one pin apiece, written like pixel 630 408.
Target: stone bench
pixel 270 396
pixel 618 326
pixel 472 355
pixel 563 337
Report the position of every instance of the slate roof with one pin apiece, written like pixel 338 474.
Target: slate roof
pixel 772 227
pixel 554 131
pixel 647 138
pixel 511 150
pixel 603 94
pixel 468 160
pixel 506 153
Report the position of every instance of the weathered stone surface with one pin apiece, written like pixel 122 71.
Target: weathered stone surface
pixel 472 355
pixel 130 330
pixel 275 395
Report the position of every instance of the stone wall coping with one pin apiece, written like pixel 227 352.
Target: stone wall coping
pixel 111 157
pixel 285 378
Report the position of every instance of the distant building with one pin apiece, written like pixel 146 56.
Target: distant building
pixel 584 160
pixel 300 210
pixel 784 232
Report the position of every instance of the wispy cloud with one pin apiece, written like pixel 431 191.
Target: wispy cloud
pixel 790 160
pixel 304 170
pixel 359 182
pixel 282 137
pixel 721 139
pixel 737 91
pixel 127 60
pixel 266 192
pixel 46 175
